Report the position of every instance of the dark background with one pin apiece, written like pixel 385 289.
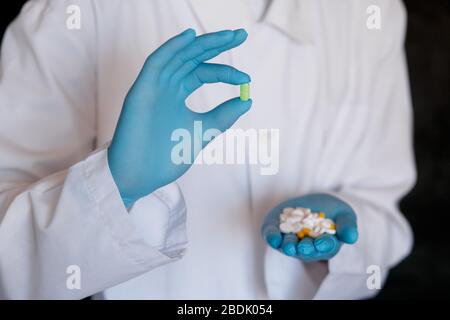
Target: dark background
pixel 426 272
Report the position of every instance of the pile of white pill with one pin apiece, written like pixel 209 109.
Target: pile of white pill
pixel 303 222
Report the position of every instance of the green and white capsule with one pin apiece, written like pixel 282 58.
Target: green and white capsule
pixel 245 91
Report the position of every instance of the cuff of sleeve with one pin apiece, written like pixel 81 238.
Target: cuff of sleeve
pixel 160 219
pixel 114 215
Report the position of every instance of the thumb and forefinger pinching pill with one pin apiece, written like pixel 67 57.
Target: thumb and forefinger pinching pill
pixel 245 91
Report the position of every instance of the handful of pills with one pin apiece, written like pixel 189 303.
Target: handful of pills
pixel 303 222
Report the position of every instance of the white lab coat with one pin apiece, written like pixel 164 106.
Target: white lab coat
pixel 337 91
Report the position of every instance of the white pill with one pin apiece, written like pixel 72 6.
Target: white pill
pixel 297 227
pixel 298 212
pixel 285 227
pixel 294 219
pixel 314 234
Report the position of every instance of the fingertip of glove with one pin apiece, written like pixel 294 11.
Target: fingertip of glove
pixel 290 250
pixel 273 240
pixel 241 33
pixel 349 235
pixel 189 31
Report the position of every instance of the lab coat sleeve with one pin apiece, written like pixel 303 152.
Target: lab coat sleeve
pixel 64 231
pixel 380 172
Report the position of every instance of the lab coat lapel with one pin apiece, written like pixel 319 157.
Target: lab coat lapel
pixel 219 15
pixel 288 16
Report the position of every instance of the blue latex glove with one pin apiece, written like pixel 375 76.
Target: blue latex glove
pixel 139 156
pixel 308 249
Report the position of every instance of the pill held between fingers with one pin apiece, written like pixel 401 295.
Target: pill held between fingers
pixel 245 91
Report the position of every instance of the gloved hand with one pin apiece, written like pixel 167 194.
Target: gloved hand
pixel 308 249
pixel 139 156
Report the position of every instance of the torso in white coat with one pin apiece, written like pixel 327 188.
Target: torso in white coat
pixel 317 86
pixel 313 97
